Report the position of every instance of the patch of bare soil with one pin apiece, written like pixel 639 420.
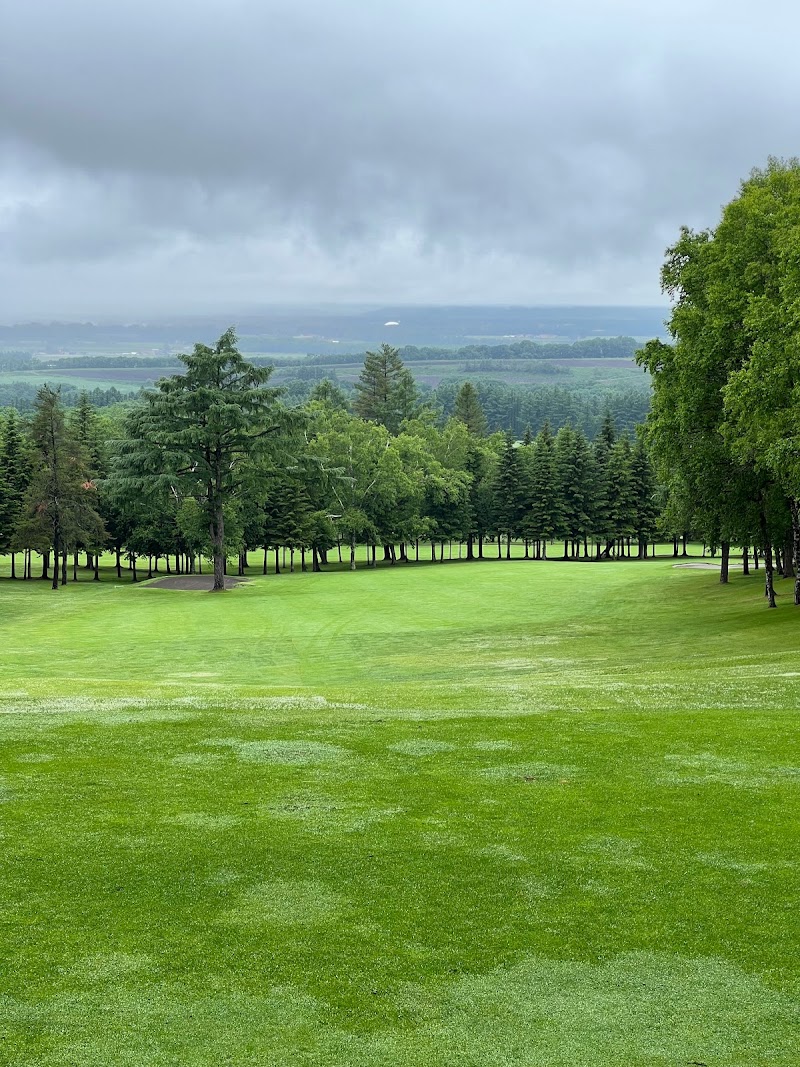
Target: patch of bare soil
pixel 197 582
pixel 706 566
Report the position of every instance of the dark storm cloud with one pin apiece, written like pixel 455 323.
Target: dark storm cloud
pixel 463 150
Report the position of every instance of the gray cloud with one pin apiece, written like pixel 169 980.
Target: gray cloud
pixel 172 155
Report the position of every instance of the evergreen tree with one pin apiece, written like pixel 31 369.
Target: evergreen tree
pixel 15 475
pixel 468 409
pixel 608 430
pixel 328 392
pixel 85 427
pixel 385 390
pixel 621 492
pixel 643 486
pixel 197 429
pixel 509 494
pixel 543 515
pixel 59 506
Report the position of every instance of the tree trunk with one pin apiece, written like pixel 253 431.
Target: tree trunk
pixel 794 506
pixel 723 570
pixel 64 566
pixel 352 553
pixel 133 566
pixel 303 566
pixel 217 530
pixel 787 555
pixel 291 559
pixel 13 564
pixel 508 545
pixel 45 564
pixel 56 555
pixel 480 546
pixel 745 561
pixel 96 567
pixel 685 539
pixel 277 560
pixel 264 571
pixel 769 583
pixel 433 551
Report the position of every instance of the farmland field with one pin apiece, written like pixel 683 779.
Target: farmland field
pixel 528 814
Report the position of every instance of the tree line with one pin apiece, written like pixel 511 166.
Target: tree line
pixel 724 428
pixel 211 463
pixel 589 348
pixel 23 395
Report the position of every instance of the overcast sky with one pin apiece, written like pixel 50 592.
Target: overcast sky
pixel 175 156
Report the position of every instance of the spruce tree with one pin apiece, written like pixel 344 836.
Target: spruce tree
pixel 621 492
pixel 643 485
pixel 543 516
pixel 385 390
pixel 509 497
pixel 468 409
pixel 15 474
pixel 59 502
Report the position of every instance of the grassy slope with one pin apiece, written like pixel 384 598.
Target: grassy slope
pixel 528 814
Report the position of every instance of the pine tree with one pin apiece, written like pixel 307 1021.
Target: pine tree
pixel 509 497
pixel 468 409
pixel 608 431
pixel 59 505
pixel 385 390
pixel 196 430
pixel 15 475
pixel 643 486
pixel 328 392
pixel 85 427
pixel 543 517
pixel 621 491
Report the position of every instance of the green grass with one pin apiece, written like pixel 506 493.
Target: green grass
pixel 500 814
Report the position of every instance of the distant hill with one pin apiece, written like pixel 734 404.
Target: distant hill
pixel 324 331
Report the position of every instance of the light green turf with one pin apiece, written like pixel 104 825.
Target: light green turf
pixel 529 814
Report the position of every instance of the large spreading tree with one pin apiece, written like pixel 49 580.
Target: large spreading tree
pixel 725 405
pixel 195 430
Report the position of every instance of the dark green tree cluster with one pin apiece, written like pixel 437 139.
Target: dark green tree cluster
pixel 47 494
pixel 23 396
pixel 517 407
pixel 725 423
